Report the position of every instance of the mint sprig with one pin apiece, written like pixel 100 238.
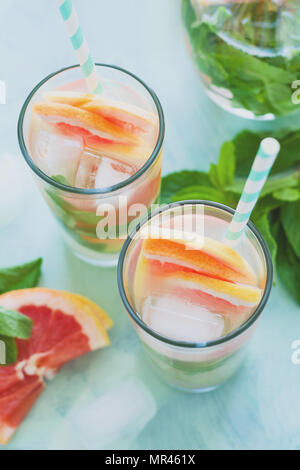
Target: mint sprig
pixel 225 43
pixel 277 212
pixel 20 277
pixel 14 324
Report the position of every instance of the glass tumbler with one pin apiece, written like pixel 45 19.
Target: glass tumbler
pixel 95 221
pixel 192 366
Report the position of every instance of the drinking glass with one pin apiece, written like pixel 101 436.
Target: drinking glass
pixel 82 212
pixel 194 366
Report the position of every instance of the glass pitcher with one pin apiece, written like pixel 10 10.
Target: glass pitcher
pixel 247 53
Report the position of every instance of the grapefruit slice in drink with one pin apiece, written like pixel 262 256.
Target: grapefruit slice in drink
pixel 203 273
pixel 83 120
pixel 112 128
pixel 205 256
pixel 65 326
pixel 126 115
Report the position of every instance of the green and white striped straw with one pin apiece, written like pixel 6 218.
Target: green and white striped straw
pixel 263 162
pixel 80 45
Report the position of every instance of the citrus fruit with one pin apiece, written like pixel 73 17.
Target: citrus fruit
pixel 207 257
pixel 65 326
pixel 82 119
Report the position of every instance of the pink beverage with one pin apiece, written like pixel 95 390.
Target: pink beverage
pixel 99 155
pixel 196 299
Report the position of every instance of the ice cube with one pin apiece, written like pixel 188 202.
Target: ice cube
pixel 55 153
pixel 87 170
pixel 116 417
pixel 177 319
pixel 95 171
pixel 112 172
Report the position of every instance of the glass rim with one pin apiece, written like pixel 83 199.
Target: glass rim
pixel 109 189
pixel 186 344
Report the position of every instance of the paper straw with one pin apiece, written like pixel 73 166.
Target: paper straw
pixel 80 45
pixel 263 162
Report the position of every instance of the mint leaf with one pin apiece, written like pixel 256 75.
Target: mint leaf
pixel 20 277
pixel 263 225
pixel 174 182
pixel 221 43
pixel 274 183
pixel 204 192
pixel 61 179
pixel 287 194
pixel 67 213
pixel 244 160
pixel 8 351
pixel 222 173
pixel 288 265
pixel 290 218
pixel 288 156
pixel 14 324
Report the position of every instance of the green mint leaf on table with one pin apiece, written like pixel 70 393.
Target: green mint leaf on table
pixel 287 194
pixel 288 264
pixel 175 182
pixel 290 218
pixel 20 277
pixel 263 225
pixel 265 206
pixel 8 351
pixel 289 155
pixel 274 183
pixel 222 173
pixel 206 193
pixel 14 324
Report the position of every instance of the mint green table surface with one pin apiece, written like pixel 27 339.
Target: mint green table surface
pixel 110 398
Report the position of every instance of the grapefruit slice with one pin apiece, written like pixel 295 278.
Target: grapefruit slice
pixel 16 402
pixel 65 326
pixel 205 256
pixel 125 115
pixel 236 295
pixel 74 98
pixel 128 116
pixel 135 155
pixel 127 152
pixel 98 311
pixel 83 121
pixel 216 295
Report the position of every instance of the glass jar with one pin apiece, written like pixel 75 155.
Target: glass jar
pixel 247 53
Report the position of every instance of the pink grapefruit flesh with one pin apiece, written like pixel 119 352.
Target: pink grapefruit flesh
pixel 65 326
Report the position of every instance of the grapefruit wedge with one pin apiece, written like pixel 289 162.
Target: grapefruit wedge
pixel 74 98
pixel 65 326
pixel 80 119
pixel 126 115
pixel 217 296
pixel 109 128
pixel 205 256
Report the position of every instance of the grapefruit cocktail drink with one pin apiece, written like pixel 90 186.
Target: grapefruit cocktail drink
pixel 97 157
pixel 193 299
